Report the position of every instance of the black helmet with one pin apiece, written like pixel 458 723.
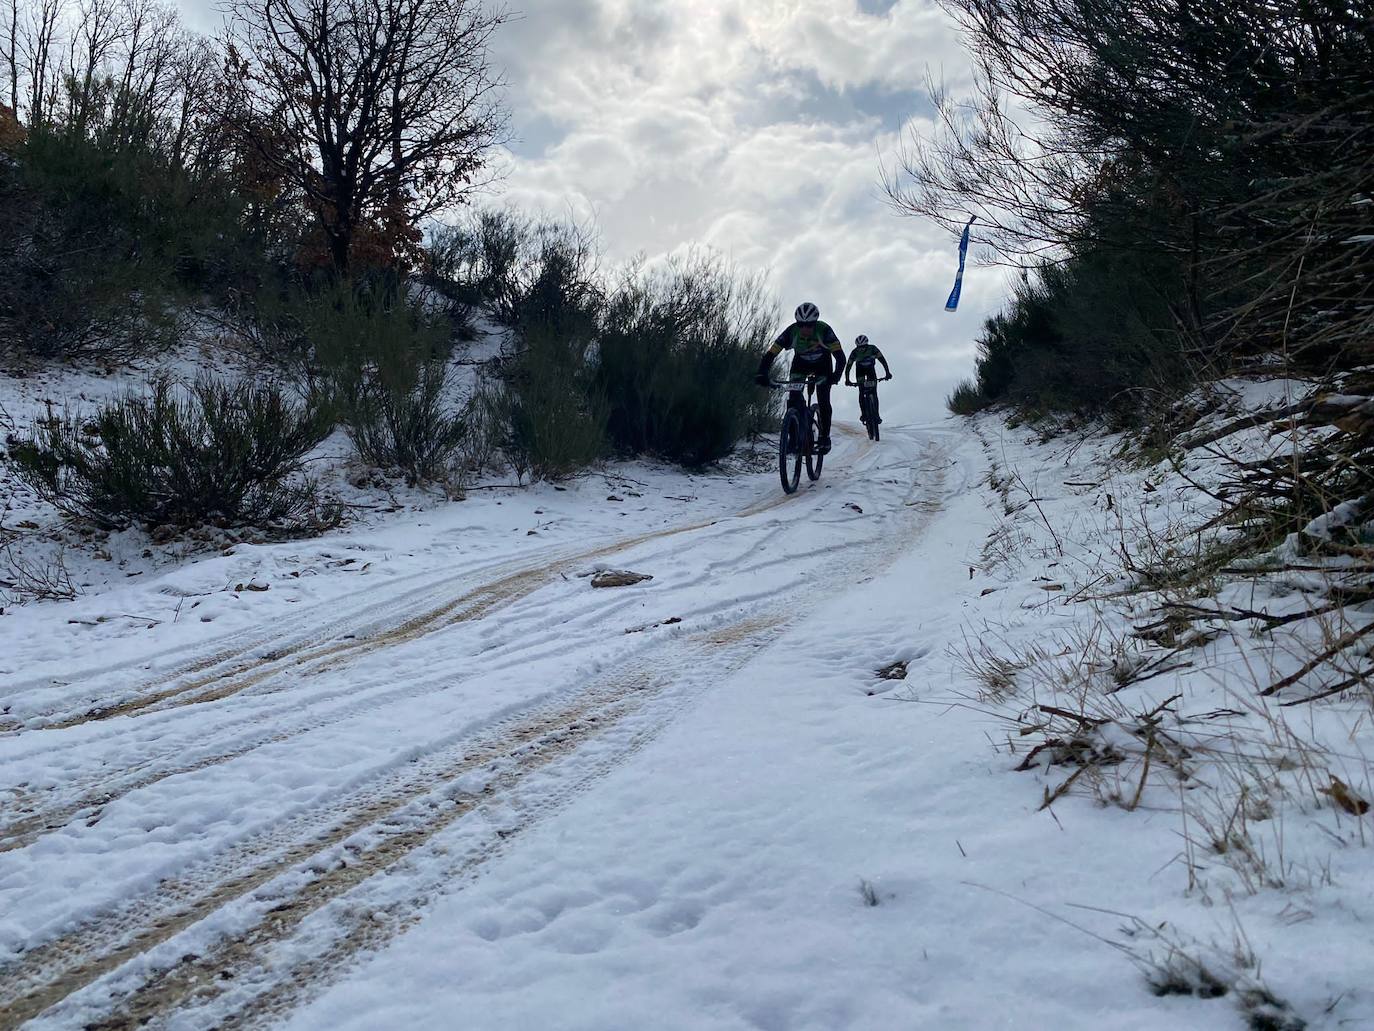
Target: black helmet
pixel 860 340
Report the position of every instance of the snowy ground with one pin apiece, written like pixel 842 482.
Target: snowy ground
pixel 431 777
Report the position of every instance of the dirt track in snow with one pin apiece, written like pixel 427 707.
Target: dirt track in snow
pixel 338 879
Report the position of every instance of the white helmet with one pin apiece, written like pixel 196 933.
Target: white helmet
pixel 860 340
pixel 807 312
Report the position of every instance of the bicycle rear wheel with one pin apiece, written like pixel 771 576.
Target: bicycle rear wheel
pixel 868 402
pixel 814 459
pixel 790 451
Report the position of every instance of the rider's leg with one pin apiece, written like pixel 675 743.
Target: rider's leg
pixel 871 389
pixel 823 396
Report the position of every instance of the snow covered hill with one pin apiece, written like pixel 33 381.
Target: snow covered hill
pixel 423 772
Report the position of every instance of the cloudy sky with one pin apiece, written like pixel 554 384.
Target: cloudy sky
pixel 755 127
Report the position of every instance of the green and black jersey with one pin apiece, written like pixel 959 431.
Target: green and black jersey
pixel 814 347
pixel 862 360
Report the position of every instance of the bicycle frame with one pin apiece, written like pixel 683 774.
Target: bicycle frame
pixel 799 414
pixel 868 397
pixel 799 387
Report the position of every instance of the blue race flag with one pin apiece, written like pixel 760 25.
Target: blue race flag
pixel 953 302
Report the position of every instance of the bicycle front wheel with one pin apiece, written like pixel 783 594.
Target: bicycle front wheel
pixel 814 459
pixel 790 452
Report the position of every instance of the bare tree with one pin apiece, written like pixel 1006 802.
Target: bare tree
pixel 143 73
pixel 101 26
pixel 11 54
pixel 41 35
pixel 192 141
pixel 380 112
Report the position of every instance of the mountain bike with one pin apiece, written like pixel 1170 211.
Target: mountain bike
pixel 868 404
pixel 801 433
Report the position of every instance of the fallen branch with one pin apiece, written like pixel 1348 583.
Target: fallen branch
pixel 1345 685
pixel 1083 718
pixel 1258 419
pixel 1341 643
pixel 1269 620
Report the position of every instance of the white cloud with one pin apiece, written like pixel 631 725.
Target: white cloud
pixel 753 126
pixel 847 47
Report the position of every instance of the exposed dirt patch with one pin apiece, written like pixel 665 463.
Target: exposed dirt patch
pixel 619 578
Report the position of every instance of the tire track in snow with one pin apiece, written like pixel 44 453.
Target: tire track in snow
pixel 104 786
pixel 360 933
pixel 85 799
pixel 217 658
pixel 270 669
pixel 51 972
pixel 496 762
pixel 249 664
pixel 344 646
pixel 355 928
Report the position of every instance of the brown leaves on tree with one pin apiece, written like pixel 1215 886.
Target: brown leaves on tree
pixel 378 113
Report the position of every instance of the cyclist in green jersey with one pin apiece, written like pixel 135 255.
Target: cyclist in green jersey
pixel 861 362
pixel 816 350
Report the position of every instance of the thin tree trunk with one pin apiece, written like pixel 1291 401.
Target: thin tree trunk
pixel 13 57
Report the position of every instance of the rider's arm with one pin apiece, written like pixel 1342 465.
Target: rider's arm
pixel 883 359
pixel 848 366
pixel 832 343
pixel 766 362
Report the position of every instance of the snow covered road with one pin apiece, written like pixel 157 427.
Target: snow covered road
pixel 422 773
pixel 208 833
